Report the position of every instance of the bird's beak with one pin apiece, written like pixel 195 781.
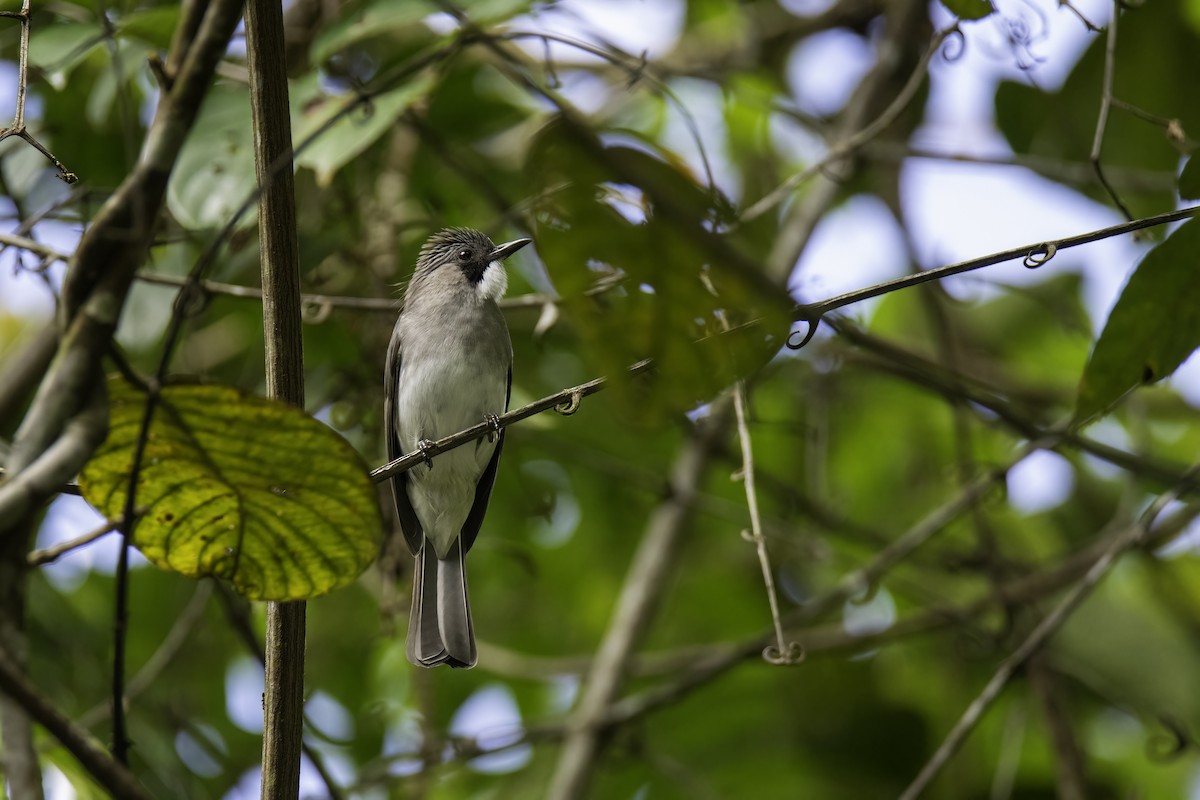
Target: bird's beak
pixel 505 250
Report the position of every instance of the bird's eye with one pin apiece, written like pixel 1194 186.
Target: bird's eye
pixel 464 254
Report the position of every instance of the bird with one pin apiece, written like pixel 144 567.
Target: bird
pixel 448 367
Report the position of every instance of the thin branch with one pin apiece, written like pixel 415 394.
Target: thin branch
pixel 48 555
pixel 644 583
pixel 109 773
pixel 851 143
pixel 1049 625
pixel 1035 255
pixel 18 124
pixel 1068 760
pixel 565 402
pixel 1106 98
pixel 1071 172
pixel 782 652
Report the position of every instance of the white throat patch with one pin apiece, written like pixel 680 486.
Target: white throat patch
pixel 494 282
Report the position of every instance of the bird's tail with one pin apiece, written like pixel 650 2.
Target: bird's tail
pixel 439 627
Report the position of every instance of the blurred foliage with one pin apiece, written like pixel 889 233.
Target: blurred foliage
pixel 856 438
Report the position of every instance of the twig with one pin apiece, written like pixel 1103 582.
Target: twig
pixel 644 583
pixel 565 402
pixel 170 647
pixel 851 143
pixel 1048 626
pixel 107 771
pixel 1106 98
pixel 1068 760
pixel 37 558
pixel 782 652
pixel 1035 255
pixel 18 124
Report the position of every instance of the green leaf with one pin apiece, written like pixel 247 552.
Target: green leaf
pixel 215 170
pixel 1189 180
pixel 155 26
pixel 969 9
pixel 369 20
pixel 355 131
pixel 1154 326
pixel 241 488
pixel 58 49
pixel 600 215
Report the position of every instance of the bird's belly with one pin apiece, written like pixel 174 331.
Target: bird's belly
pixel 432 404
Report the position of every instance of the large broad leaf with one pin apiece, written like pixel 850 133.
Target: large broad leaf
pixel 1153 327
pixel 601 214
pixel 354 130
pixel 241 488
pixel 215 171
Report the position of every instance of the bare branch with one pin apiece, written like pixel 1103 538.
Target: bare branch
pixel 1106 99
pixel 92 756
pixel 644 584
pixel 1132 537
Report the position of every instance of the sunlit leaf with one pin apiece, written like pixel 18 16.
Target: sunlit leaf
pixel 1154 326
pixel 241 488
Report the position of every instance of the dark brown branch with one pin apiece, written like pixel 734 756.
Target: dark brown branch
pixel 115 778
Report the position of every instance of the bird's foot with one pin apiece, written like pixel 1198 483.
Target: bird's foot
pixel 493 422
pixel 425 448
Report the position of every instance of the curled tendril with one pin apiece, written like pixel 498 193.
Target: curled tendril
pixel 1168 744
pixel 570 405
pixel 791 655
pixel 793 344
pixel 1040 255
pixel 747 535
pixel 314 312
pixel 951 53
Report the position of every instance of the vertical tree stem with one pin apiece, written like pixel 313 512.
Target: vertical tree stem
pixel 283 700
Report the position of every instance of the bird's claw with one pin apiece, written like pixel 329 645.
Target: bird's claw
pixel 493 422
pixel 425 448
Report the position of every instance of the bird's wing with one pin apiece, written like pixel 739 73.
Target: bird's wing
pixel 409 523
pixel 483 489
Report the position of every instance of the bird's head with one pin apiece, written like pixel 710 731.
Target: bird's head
pixel 473 254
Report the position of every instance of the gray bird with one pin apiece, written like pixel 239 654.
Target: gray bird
pixel 449 366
